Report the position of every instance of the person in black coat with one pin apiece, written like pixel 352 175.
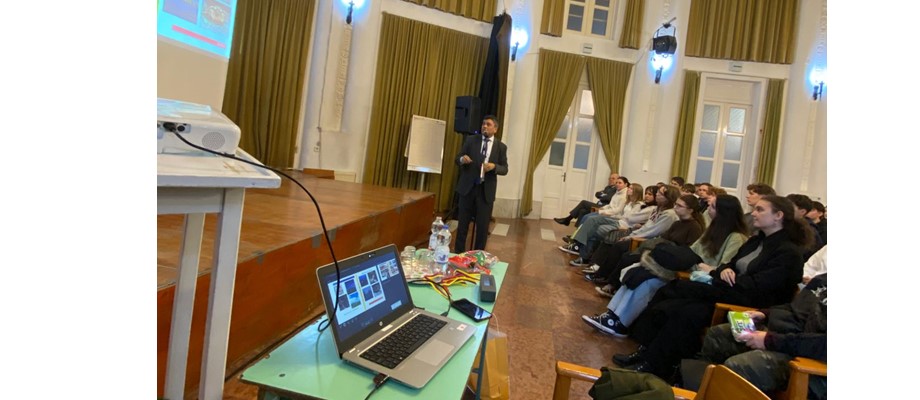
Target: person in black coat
pixel 796 329
pixel 764 273
pixel 481 159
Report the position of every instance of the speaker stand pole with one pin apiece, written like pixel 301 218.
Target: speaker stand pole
pixel 421 182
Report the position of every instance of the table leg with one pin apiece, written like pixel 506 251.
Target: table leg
pixel 220 300
pixel 482 362
pixel 183 304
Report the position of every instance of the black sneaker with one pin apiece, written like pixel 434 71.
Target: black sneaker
pixel 578 262
pixel 571 248
pixel 567 238
pixel 629 359
pixel 607 322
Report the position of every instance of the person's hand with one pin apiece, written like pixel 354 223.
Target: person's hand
pixel 465 159
pixel 623 239
pixel 728 275
pixel 806 279
pixel 704 267
pixel 753 340
pixel 488 166
pixel 755 315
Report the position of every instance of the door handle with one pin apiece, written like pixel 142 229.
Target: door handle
pixel 563 176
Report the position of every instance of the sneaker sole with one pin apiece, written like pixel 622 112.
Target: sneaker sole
pixel 602 292
pixel 592 323
pixel 575 264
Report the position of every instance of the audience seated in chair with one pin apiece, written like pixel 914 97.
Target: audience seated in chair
pixel 764 273
pixel 818 216
pixel 608 256
pixel 718 245
pixel 614 195
pixel 636 212
pixel 796 329
pixel 802 206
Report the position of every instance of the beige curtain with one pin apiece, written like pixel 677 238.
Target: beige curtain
pixel 766 164
pixel 553 17
pixel 683 141
pixel 609 81
pixel 482 10
pixel 745 30
pixel 631 35
pixel 265 76
pixel 558 78
pixel 421 69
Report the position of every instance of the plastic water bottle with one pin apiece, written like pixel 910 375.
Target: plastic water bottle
pixel 442 251
pixel 435 228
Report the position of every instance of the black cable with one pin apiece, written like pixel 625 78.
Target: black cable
pixel 174 128
pixel 447 292
pixel 379 380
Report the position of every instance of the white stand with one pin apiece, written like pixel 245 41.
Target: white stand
pixel 421 182
pixel 195 185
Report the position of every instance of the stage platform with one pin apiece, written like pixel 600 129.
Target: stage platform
pixel 281 245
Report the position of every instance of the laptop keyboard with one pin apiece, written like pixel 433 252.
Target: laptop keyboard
pixel 396 347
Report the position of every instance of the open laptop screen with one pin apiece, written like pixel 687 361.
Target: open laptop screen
pixel 372 293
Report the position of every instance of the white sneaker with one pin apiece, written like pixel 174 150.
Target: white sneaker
pixel 606 291
pixel 593 268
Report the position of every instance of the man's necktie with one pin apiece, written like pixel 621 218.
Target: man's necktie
pixel 482 168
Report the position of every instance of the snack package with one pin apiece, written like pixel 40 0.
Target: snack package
pixel 740 323
pixel 483 258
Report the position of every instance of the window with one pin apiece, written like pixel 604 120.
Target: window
pixel 721 145
pixel 591 17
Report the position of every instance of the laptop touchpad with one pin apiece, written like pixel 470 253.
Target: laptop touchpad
pixel 433 353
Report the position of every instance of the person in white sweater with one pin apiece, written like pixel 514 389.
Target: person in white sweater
pixel 636 212
pixel 816 265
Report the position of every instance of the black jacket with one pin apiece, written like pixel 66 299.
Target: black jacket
pixel 771 278
pixel 604 196
pixel 472 147
pixel 799 328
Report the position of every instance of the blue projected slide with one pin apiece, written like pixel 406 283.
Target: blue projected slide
pixel 203 24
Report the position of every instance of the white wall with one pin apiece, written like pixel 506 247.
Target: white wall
pixel 190 75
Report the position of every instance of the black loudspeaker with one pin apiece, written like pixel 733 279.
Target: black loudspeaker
pixel 467 115
pixel 664 44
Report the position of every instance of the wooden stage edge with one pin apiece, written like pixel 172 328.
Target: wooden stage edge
pixel 281 245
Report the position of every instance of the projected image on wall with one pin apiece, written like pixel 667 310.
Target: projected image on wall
pixel 202 24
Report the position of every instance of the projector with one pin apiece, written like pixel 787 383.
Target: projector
pixel 198 124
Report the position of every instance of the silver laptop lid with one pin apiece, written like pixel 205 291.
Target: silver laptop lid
pixel 372 293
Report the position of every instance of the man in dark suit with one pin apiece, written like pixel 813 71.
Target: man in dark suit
pixel 481 159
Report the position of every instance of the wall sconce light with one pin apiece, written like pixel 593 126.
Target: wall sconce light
pixel 663 49
pixel 519 37
pixel 352 5
pixel 817 81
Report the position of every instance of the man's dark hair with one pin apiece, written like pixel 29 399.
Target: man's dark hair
pixel 801 201
pixel 493 118
pixel 762 189
pixel 689 187
pixel 680 180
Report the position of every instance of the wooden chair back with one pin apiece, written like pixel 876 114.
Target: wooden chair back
pixel 721 383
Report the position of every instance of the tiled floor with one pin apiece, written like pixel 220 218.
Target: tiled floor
pixel 539 308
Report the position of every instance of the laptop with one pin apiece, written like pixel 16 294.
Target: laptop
pixel 373 312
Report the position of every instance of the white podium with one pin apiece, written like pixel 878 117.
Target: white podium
pixel 195 185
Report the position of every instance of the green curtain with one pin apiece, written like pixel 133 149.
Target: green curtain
pixel 609 81
pixel 421 69
pixel 631 35
pixel 558 78
pixel 265 76
pixel 482 10
pixel 683 141
pixel 766 164
pixel 744 30
pixel 553 17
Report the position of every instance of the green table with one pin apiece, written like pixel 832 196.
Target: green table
pixel 307 364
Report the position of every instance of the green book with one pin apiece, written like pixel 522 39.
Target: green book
pixel 740 322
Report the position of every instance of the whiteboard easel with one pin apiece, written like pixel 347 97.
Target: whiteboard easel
pixel 425 147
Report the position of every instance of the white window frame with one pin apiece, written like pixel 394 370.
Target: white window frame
pixel 587 22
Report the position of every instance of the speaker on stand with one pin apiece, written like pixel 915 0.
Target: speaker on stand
pixel 467 115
